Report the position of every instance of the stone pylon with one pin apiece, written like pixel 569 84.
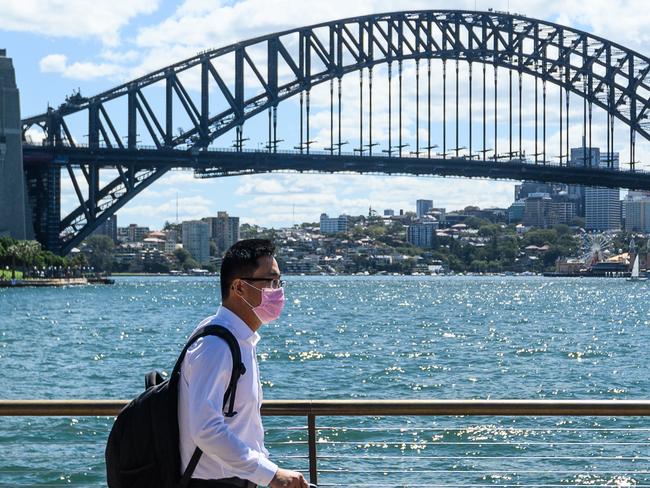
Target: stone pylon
pixel 13 221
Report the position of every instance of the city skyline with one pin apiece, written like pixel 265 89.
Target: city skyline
pixel 130 42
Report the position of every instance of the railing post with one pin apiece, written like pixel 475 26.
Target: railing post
pixel 311 429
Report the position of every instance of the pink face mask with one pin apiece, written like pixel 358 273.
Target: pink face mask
pixel 271 305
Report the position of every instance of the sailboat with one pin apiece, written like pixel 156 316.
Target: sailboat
pixel 635 271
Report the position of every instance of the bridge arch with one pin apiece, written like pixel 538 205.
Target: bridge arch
pixel 602 73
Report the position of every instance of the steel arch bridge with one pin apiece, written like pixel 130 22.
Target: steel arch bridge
pixel 238 82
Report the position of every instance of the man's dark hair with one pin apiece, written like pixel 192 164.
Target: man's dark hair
pixel 242 260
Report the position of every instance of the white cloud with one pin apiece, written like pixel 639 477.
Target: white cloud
pixel 190 208
pixel 53 63
pixel 113 56
pixel 304 197
pixel 197 25
pixel 101 19
pixel 58 63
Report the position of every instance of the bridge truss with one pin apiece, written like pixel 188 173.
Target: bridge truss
pixel 135 131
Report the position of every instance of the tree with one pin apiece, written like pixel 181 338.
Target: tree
pixel 24 252
pixel 13 251
pixel 214 250
pixel 99 251
pixel 181 254
pixel 475 222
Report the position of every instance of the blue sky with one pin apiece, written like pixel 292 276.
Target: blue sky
pixel 60 46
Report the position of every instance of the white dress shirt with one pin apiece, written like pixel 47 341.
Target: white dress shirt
pixel 231 446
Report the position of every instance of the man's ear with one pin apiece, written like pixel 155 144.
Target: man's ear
pixel 237 287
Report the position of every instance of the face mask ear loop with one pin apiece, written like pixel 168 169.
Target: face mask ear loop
pixel 247 303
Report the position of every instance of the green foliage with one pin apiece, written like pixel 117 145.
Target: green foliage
pixel 5 274
pixel 214 250
pixel 475 222
pixel 98 250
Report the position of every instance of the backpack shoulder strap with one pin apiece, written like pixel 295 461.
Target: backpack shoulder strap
pixel 238 369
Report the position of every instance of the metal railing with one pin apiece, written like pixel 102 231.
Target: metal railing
pixel 311 409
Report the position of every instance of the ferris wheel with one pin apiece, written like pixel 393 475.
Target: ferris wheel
pixel 595 246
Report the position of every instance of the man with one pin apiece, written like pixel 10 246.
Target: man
pixel 233 448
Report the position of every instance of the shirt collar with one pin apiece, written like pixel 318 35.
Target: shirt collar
pixel 236 325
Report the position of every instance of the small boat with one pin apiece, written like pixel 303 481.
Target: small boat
pixel 634 276
pixel 101 280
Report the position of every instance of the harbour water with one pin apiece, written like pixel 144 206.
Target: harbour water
pixel 352 337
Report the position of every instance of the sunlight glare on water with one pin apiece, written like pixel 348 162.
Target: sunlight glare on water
pixel 340 338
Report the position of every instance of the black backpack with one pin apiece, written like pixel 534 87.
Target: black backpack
pixel 143 446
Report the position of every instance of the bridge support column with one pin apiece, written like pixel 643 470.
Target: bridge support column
pixel 44 198
pixel 13 210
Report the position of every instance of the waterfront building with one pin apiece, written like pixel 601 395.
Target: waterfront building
pixel 108 228
pixel 422 234
pixel 637 212
pixel 333 225
pixel 224 230
pixel 196 240
pixel 422 207
pixel 153 242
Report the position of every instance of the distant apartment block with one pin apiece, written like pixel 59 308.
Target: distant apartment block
pixel 132 233
pixel 537 210
pixel 196 240
pixel 171 240
pixel 333 225
pixel 637 212
pixel 422 234
pixel 223 230
pixel 422 207
pixel 108 228
pixel 563 209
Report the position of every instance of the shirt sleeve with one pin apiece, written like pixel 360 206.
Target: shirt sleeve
pixel 206 369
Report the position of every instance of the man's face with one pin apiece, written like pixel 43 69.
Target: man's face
pixel 266 273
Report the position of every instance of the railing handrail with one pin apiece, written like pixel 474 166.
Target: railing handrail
pixel 360 407
pixel 313 408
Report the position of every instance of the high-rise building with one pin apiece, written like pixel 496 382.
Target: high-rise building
pixel 603 205
pixel 563 209
pixel 537 210
pixel 196 240
pixel 422 234
pixel 527 187
pixel 389 212
pixel 422 207
pixel 333 225
pixel 516 212
pixel 224 230
pixel 108 228
pixel 637 212
pixel 13 215
pixel 581 156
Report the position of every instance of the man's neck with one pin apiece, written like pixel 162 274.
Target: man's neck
pixel 245 314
